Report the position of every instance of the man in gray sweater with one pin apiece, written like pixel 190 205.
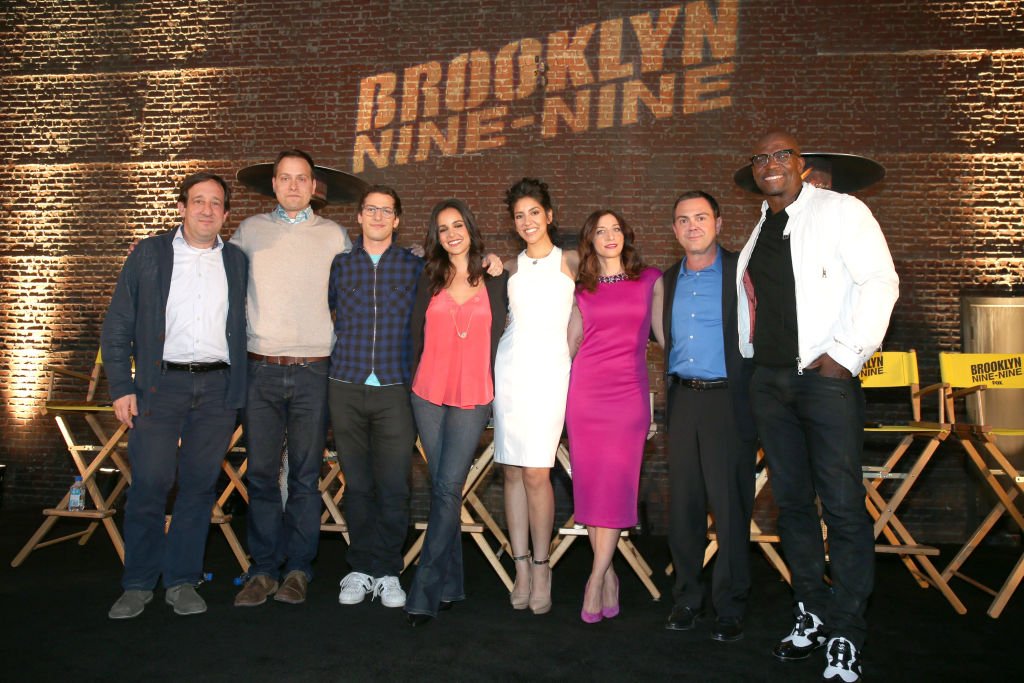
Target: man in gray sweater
pixel 290 336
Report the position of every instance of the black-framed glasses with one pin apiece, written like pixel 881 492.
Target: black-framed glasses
pixel 385 211
pixel 781 156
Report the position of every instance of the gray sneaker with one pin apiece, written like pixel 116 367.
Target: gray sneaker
pixel 184 599
pixel 130 604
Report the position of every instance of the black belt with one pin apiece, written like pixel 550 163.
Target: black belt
pixel 196 367
pixel 699 384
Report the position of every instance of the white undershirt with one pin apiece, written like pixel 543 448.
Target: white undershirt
pixel 197 306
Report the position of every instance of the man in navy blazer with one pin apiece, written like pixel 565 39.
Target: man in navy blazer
pixel 711 437
pixel 177 315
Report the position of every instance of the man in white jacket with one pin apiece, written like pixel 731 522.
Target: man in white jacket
pixel 817 276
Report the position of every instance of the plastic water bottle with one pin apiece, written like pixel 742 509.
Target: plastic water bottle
pixel 76 502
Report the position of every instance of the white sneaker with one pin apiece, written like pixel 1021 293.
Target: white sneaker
pixel 390 591
pixel 354 588
pixel 843 661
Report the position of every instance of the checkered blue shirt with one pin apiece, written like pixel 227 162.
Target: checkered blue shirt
pixel 371 307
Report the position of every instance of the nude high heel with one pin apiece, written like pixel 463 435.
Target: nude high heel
pixel 521 600
pixel 540 603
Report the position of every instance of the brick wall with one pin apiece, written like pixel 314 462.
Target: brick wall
pixel 107 105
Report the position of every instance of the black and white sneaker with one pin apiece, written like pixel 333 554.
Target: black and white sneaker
pixel 808 635
pixel 843 661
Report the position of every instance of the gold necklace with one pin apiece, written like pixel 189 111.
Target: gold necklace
pixel 455 323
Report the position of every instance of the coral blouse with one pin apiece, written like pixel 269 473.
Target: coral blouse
pixel 455 369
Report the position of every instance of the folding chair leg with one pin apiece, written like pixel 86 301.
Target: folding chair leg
pixel 1009 586
pixel 642 570
pixel 34 542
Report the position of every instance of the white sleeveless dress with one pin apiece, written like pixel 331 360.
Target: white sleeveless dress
pixel 531 369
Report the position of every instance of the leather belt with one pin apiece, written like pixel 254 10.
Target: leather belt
pixel 196 367
pixel 287 360
pixel 699 384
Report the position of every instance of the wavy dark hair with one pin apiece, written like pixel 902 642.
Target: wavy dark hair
pixel 590 267
pixel 439 268
pixel 538 191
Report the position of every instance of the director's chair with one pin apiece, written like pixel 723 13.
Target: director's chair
pixel 974 375
pixel 476 520
pixel 898 370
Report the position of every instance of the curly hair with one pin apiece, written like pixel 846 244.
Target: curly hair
pixel 538 191
pixel 590 267
pixel 439 268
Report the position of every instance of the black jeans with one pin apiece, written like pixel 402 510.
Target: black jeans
pixel 812 430
pixel 375 435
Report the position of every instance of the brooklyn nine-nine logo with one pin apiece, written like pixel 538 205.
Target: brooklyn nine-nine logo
pixel 658 64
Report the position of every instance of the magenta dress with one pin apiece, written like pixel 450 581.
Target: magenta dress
pixel 609 410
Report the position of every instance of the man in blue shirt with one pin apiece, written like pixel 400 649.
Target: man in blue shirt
pixel 711 438
pixel 371 293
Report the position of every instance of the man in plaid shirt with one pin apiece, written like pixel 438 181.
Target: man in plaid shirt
pixel 371 293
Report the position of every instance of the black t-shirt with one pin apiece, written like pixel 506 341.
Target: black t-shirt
pixel 771 269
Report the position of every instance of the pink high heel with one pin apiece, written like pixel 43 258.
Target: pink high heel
pixel 590 617
pixel 613 611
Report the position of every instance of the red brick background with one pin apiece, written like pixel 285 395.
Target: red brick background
pixel 105 106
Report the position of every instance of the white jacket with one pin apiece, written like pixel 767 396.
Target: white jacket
pixel 846 285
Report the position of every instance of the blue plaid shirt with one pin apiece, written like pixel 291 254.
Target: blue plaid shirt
pixel 371 306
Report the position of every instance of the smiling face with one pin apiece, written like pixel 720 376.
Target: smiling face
pixel 204 214
pixel 293 184
pixel 608 237
pixel 379 221
pixel 780 182
pixel 452 233
pixel 696 227
pixel 531 221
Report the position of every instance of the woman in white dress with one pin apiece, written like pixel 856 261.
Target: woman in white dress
pixel 531 379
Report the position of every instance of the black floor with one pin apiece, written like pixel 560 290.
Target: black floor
pixel 56 628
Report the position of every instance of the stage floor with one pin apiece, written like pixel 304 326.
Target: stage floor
pixel 55 607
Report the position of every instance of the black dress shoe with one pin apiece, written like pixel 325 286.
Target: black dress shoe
pixel 445 605
pixel 727 629
pixel 418 619
pixel 682 619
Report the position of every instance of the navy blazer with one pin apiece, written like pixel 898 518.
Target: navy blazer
pixel 497 293
pixel 738 370
pixel 135 323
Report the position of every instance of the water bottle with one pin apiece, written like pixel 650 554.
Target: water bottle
pixel 76 501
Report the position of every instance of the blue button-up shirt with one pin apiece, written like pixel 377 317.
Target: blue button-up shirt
pixel 371 304
pixel 698 346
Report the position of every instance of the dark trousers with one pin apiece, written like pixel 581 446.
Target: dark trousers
pixel 812 430
pixel 450 437
pixel 190 407
pixel 375 435
pixel 709 465
pixel 284 400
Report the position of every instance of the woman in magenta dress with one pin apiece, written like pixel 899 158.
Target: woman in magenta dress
pixel 609 410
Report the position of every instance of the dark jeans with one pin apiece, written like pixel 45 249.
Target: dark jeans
pixel 450 437
pixel 284 400
pixel 190 407
pixel 375 435
pixel 812 430
pixel 709 464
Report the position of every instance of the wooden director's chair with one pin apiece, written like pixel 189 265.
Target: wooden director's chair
pixel 332 490
pixel 887 485
pixel 98 446
pixel 476 520
pixel 974 375
pixel 570 530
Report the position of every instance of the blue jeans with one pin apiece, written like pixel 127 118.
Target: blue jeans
pixel 450 437
pixel 284 400
pixel 375 434
pixel 812 430
pixel 190 407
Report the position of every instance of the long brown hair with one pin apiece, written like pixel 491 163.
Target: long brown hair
pixel 439 268
pixel 590 267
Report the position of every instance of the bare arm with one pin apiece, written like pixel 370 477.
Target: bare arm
pixel 571 263
pixel 575 332
pixel 657 312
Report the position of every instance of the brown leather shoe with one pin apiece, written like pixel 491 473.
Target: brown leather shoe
pixel 256 591
pixel 293 589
